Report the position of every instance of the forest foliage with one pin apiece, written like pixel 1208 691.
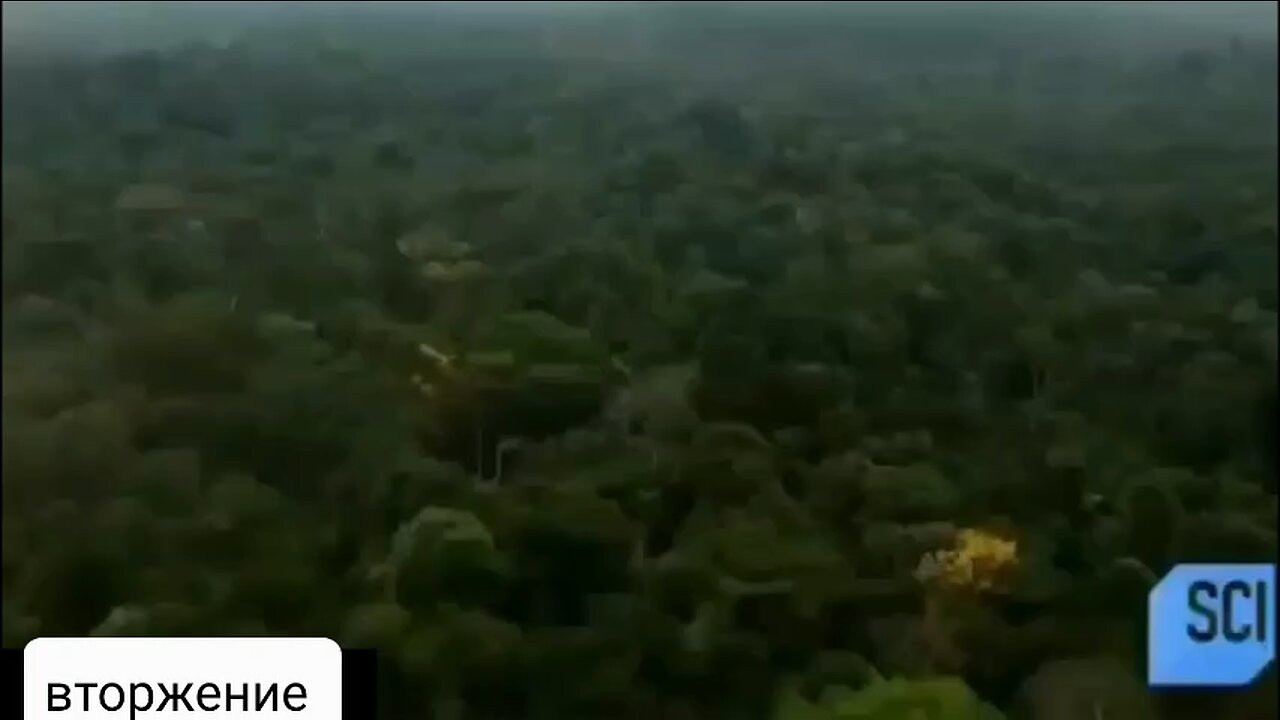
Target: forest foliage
pixel 722 364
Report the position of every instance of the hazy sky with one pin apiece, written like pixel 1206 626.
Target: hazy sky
pixel 112 24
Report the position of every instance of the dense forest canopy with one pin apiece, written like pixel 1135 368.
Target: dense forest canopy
pixel 792 361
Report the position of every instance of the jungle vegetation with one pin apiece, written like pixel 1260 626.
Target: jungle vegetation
pixel 676 361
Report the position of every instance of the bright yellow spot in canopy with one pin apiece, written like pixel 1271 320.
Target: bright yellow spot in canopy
pixel 977 561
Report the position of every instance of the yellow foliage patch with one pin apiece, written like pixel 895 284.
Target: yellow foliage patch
pixel 977 561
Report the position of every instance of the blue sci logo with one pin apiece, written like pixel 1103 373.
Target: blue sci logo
pixel 1211 625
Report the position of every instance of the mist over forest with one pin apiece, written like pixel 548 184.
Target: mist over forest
pixel 95 25
pixel 636 361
